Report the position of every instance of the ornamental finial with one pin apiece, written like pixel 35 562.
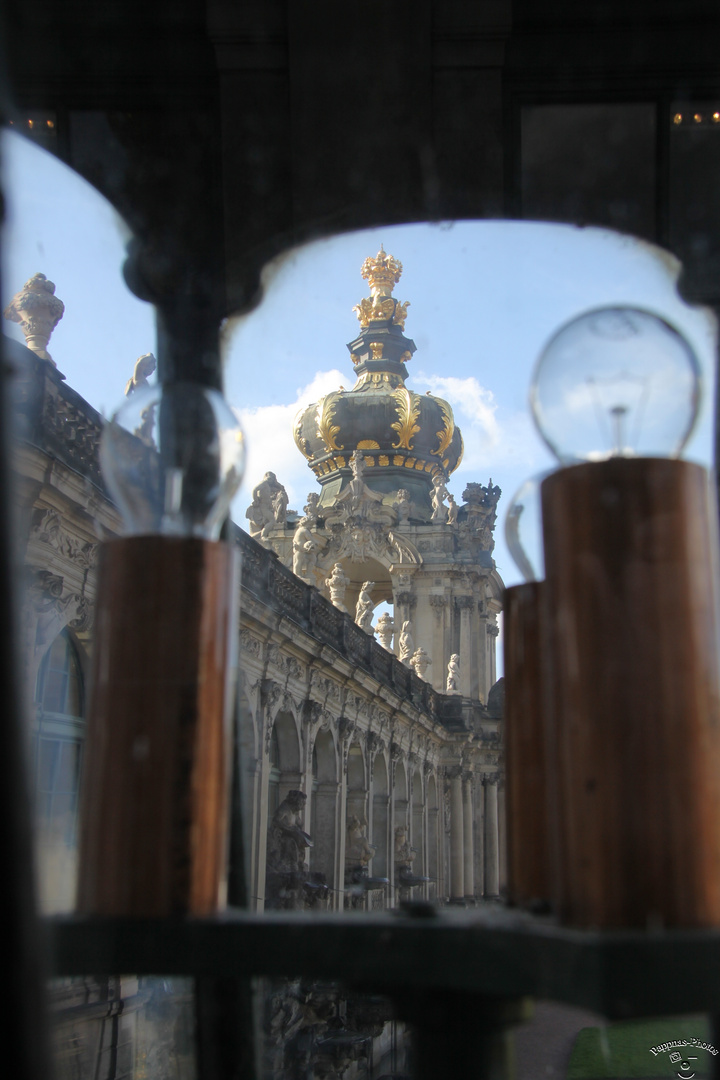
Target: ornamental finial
pixel 38 311
pixel 383 272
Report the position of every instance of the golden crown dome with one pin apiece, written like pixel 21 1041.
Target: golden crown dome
pixel 406 438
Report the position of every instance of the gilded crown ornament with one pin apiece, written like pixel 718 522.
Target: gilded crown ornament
pixel 383 272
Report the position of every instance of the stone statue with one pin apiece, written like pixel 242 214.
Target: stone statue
pixel 357 499
pixel 453 675
pixel 337 583
pixel 404 851
pixel 144 367
pixel 38 311
pixel 311 509
pixel 403 506
pixel 261 512
pixel 364 607
pixel 305 546
pixel 406 644
pixel 439 494
pixel 481 511
pixel 385 629
pixel 452 514
pixel 404 857
pixel 420 662
pixel 279 505
pixel 358 852
pixel 287 844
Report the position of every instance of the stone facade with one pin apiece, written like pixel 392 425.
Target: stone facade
pixel 399 780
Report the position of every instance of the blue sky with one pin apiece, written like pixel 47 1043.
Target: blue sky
pixel 484 299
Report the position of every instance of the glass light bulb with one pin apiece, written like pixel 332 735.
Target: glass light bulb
pixel 523 528
pixel 173 456
pixel 616 382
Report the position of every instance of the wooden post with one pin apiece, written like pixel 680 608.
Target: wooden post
pixel 528 846
pixel 157 766
pixel 631 580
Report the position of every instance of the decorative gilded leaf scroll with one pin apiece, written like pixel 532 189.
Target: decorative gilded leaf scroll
pixel 326 430
pixel 408 408
pixel 445 436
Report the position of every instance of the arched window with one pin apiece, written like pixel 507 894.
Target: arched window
pixel 59 736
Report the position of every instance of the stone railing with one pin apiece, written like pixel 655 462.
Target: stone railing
pixel 52 416
pixel 269 581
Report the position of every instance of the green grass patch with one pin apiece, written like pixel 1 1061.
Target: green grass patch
pixel 623 1050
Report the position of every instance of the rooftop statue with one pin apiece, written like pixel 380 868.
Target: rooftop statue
pixel 144 367
pixel 305 551
pixel 452 685
pixel 365 607
pixel 261 512
pixel 406 645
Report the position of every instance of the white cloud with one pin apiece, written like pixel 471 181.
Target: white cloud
pixel 270 443
pixel 470 401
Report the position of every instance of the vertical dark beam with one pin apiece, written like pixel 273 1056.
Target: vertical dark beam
pixel 226 1029
pixel 457 1034
pixel 24 1025
pixel 361 100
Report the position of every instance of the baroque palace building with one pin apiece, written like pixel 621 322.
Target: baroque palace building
pixel 372 761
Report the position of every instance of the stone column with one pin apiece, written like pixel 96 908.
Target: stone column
pixel 464 604
pixel 492 631
pixel 440 654
pixel 492 862
pixel 502 835
pixel 468 856
pixel 479 838
pixel 457 837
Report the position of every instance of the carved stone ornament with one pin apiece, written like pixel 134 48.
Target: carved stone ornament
pixel 420 662
pixel 288 665
pixel 384 630
pixel 47 527
pixel 249 644
pixel 481 512
pixel 38 311
pixel 321 685
pixel 337 584
pixel 357 501
pixel 359 541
